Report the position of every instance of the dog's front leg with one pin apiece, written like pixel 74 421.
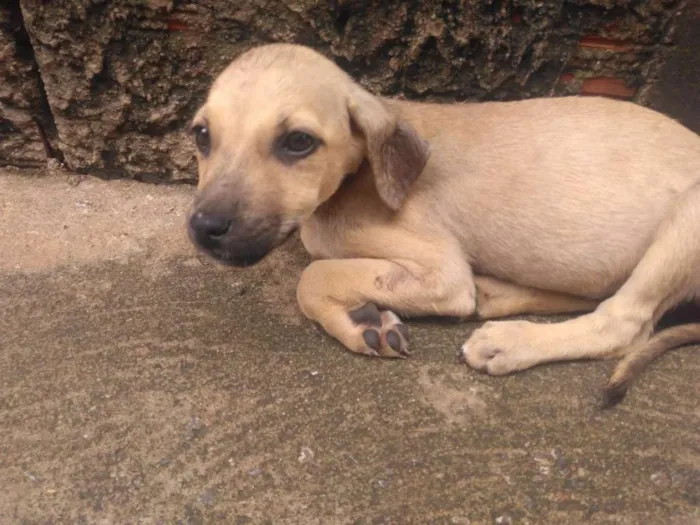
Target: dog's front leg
pixel 357 300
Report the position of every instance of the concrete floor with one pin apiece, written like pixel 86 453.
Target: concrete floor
pixel 140 383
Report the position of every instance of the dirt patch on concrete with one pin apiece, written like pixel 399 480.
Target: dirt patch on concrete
pixel 453 396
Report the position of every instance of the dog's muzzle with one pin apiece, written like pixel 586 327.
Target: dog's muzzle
pixel 232 241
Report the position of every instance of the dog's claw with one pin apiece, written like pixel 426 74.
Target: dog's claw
pixel 403 330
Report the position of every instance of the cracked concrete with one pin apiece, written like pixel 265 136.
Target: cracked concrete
pixel 140 383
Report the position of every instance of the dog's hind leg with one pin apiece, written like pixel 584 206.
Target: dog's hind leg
pixel 496 299
pixel 666 275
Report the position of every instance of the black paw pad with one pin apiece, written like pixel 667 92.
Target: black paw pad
pixel 393 340
pixel 367 314
pixel 372 338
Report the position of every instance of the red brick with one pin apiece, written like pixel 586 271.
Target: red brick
pixel 607 86
pixel 176 25
pixel 608 44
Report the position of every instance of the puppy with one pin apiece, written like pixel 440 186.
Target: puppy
pixel 489 210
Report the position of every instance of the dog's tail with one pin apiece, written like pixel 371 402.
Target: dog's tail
pixel 640 356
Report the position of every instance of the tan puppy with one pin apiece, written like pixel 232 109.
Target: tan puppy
pixel 471 210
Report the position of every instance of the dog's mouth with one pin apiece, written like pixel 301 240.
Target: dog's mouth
pixel 228 258
pixel 244 247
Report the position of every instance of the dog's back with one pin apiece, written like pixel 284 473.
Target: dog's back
pixel 589 178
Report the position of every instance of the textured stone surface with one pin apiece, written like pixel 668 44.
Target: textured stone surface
pixel 677 93
pixel 23 114
pixel 124 77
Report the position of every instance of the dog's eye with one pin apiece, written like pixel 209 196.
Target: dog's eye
pixel 298 144
pixel 202 139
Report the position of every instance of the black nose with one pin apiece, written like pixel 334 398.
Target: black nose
pixel 209 228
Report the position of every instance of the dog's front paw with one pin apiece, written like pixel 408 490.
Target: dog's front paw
pixel 502 347
pixel 379 333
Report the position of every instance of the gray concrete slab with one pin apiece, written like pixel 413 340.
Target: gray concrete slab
pixel 140 383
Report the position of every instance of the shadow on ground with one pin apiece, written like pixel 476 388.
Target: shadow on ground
pixel 142 384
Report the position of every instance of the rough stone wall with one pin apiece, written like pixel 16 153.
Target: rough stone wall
pixel 24 115
pixel 677 92
pixel 123 77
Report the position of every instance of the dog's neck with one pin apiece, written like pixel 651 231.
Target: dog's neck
pixel 358 184
pixel 355 202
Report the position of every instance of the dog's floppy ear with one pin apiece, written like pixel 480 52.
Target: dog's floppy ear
pixel 397 155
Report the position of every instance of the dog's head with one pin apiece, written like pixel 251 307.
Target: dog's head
pixel 280 130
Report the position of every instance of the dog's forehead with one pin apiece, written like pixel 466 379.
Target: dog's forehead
pixel 270 97
pixel 284 75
